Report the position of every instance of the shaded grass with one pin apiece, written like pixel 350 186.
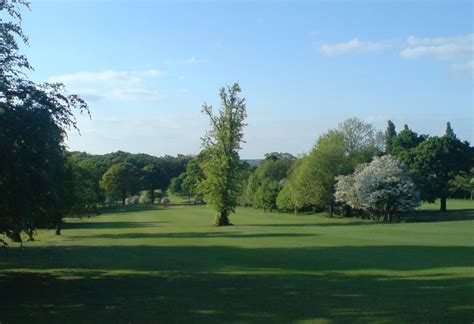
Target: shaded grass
pixel 458 209
pixel 452 204
pixel 172 265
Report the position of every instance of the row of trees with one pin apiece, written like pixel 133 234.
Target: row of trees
pixel 352 169
pixel 357 168
pixel 311 182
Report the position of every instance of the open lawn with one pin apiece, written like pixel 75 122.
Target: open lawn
pixel 146 264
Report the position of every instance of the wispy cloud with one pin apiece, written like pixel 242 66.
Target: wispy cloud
pixel 193 60
pixel 353 46
pixel 445 48
pixel 120 94
pixel 107 77
pixel 112 84
pixel 458 49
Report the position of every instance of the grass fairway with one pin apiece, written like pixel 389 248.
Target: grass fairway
pixel 143 265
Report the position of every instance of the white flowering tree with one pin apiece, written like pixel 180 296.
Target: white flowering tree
pixel 383 188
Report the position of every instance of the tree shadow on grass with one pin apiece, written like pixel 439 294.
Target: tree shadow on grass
pixel 187 235
pixel 437 216
pixel 215 258
pixel 349 223
pixel 418 216
pixel 107 225
pixel 115 209
pixel 226 284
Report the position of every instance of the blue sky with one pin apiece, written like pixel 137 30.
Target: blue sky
pixel 146 68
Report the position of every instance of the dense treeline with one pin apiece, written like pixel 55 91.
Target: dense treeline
pixel 355 170
pixel 117 176
pixel 417 167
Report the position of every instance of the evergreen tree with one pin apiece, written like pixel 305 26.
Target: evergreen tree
pixel 390 134
pixel 449 131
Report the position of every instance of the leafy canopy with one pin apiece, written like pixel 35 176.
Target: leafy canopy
pixel 221 186
pixel 33 122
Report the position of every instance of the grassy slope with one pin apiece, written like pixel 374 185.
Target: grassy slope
pixel 170 265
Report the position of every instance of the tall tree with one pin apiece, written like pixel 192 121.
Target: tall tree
pixel 221 186
pixel 33 121
pixel 390 134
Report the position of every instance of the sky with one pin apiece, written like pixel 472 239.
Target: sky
pixel 147 67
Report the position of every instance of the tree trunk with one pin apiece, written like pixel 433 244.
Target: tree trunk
pixel 330 210
pixel 152 196
pixel 442 206
pixel 123 200
pixel 373 215
pixel 222 219
pixel 58 228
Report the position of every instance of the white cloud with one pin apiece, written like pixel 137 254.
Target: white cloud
pixel 120 94
pixel 107 77
pixel 456 47
pixel 112 85
pixel 193 60
pixel 352 46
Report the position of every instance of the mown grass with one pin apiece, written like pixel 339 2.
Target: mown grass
pixel 147 264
